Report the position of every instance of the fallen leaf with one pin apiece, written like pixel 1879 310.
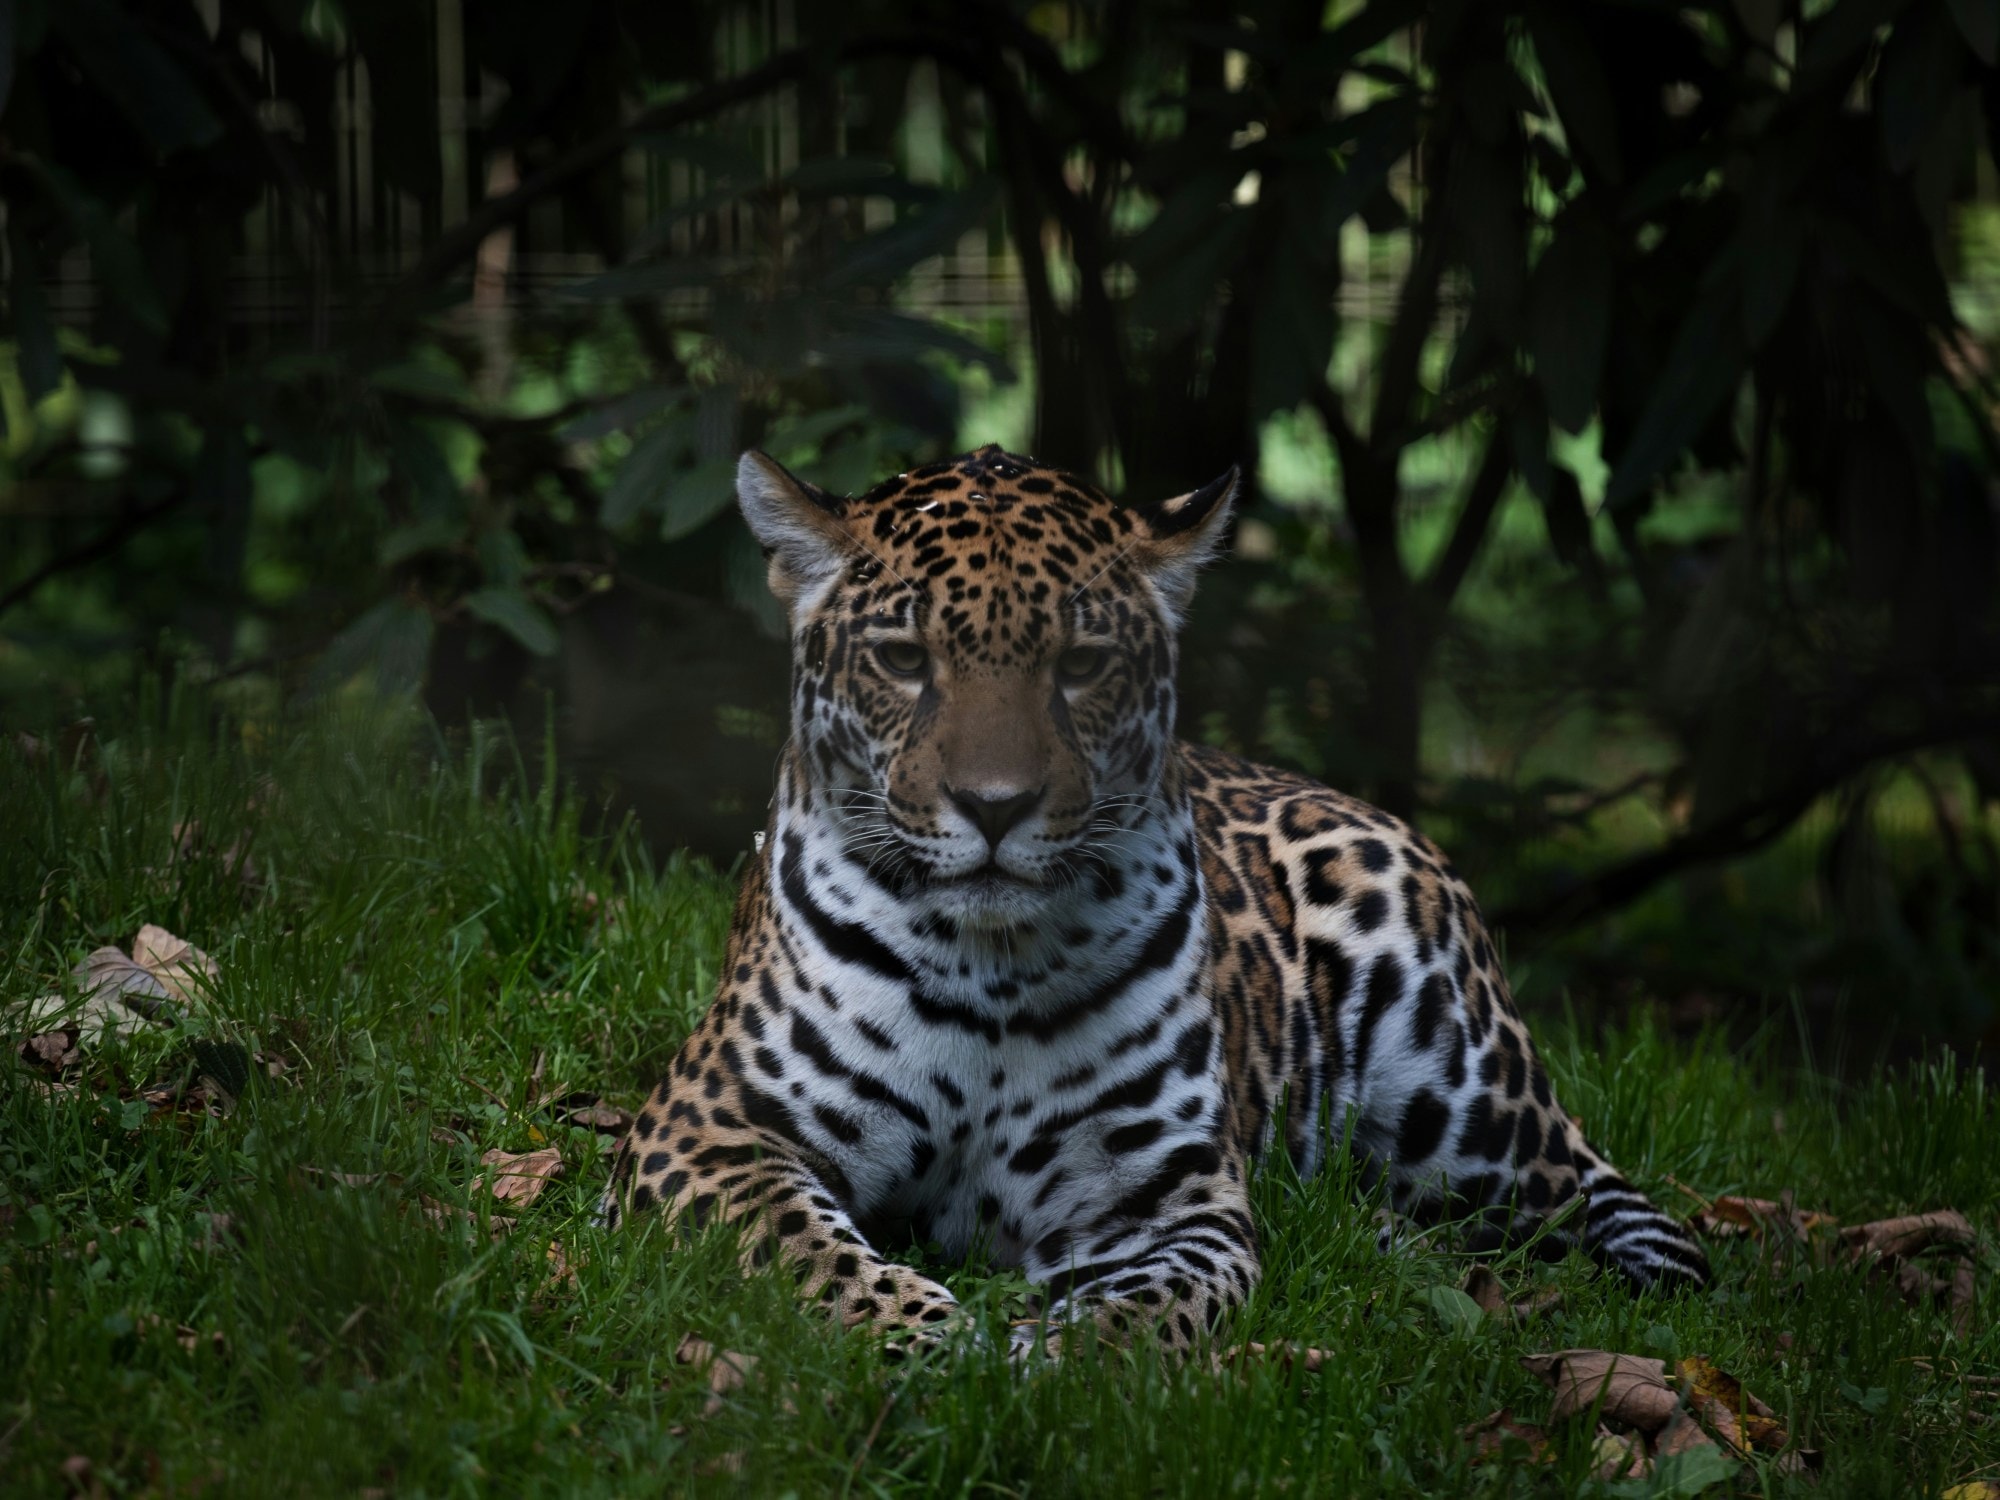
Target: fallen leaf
pixel 607 1118
pixel 451 1216
pixel 1900 1238
pixel 80 1474
pixel 182 969
pixel 1681 1434
pixel 1738 1418
pixel 53 1050
pixel 1619 1455
pixel 1633 1388
pixel 1955 1293
pixel 1484 1288
pixel 725 1369
pixel 344 1179
pixel 1692 1471
pixel 1727 1217
pixel 1498 1436
pixel 521 1176
pixel 1237 1356
pixel 1973 1489
pixel 1454 1310
pixel 562 1269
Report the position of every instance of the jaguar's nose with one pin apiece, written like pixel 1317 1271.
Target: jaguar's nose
pixel 993 813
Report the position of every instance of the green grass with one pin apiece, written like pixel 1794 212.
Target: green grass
pixel 421 931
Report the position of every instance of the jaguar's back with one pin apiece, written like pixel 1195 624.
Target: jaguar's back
pixel 1016 968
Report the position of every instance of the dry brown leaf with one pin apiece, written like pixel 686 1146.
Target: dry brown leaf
pixel 1899 1238
pixel 520 1176
pixel 183 970
pixel 1682 1434
pixel 1634 1388
pixel 344 1179
pixel 53 1050
pixel 451 1216
pixel 1735 1415
pixel 80 1474
pixel 1727 1217
pixel 1955 1293
pixel 1493 1436
pixel 1619 1455
pixel 562 1267
pixel 725 1369
pixel 1483 1287
pixel 606 1118
pixel 1238 1356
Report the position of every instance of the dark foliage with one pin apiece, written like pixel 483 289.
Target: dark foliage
pixel 1715 237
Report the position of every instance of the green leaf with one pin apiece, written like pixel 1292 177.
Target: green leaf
pixel 1569 315
pixel 929 231
pixel 695 497
pixel 862 335
pixel 503 561
pixel 1922 69
pixel 1578 86
pixel 438 534
pixel 1454 1310
pixel 514 612
pixel 1899 265
pixel 415 455
pixel 1844 29
pixel 626 411
pixel 393 639
pixel 115 260
pixel 1690 1473
pixel 1702 369
pixel 802 437
pixel 1979 23
pixel 1388 133
pixel 641 483
pixel 134 76
pixel 36 350
pixel 424 381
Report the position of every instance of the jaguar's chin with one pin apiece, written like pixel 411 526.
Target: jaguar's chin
pixel 988 897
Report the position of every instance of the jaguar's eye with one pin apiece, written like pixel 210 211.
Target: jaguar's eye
pixel 1080 663
pixel 902 658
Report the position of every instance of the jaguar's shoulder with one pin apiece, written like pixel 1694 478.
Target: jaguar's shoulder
pixel 1233 796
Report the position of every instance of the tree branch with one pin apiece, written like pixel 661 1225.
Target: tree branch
pixel 463 240
pixel 103 544
pixel 1482 498
pixel 1749 828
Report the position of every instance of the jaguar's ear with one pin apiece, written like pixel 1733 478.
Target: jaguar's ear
pixel 1177 536
pixel 797 524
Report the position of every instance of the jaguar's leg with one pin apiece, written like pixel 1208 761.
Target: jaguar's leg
pixel 701 1162
pixel 1177 1270
pixel 1501 1145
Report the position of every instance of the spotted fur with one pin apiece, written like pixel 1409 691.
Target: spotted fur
pixel 1017 970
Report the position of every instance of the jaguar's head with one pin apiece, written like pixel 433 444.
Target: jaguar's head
pixel 983 657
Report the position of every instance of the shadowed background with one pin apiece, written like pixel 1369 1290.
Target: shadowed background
pixel 1613 378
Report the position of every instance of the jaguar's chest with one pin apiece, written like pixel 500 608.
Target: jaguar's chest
pixel 975 1099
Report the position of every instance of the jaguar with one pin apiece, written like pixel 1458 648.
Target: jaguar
pixel 1017 972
